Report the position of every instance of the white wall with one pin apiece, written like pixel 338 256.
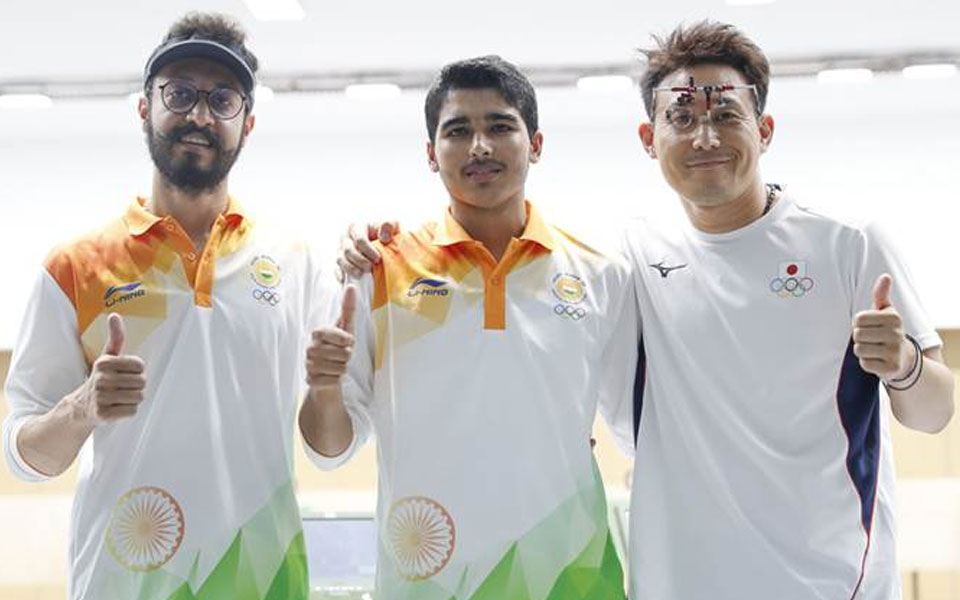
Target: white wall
pixel 887 150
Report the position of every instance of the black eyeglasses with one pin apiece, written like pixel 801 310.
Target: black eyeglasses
pixel 180 97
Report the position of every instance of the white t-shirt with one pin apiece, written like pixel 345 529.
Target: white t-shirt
pixel 763 464
pixel 192 497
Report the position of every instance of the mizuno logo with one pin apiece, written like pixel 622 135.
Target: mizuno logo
pixel 665 270
pixel 428 287
pixel 122 293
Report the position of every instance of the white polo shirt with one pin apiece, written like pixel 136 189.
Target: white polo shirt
pixel 193 497
pixel 763 465
pixel 482 380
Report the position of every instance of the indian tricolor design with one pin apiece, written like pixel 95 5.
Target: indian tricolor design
pixel 569 288
pixel 265 272
pixel 146 529
pixel 421 535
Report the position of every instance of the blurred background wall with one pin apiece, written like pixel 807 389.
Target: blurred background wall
pixel 881 142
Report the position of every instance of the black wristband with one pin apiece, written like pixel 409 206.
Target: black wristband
pixel 913 376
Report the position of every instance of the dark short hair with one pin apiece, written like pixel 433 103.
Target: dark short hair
pixel 483 72
pixel 706 42
pixel 213 27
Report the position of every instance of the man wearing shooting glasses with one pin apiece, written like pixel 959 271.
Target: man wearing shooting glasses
pixel 763 465
pixel 166 351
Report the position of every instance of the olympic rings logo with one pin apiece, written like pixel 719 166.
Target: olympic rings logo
pixel 569 312
pixel 794 286
pixel 266 296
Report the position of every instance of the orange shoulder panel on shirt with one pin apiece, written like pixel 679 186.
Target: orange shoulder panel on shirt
pixel 86 268
pixel 413 256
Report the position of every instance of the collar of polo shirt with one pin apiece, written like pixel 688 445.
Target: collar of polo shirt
pixel 139 220
pixel 450 233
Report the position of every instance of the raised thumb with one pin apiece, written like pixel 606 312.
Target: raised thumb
pixel 348 308
pixel 881 291
pixel 115 335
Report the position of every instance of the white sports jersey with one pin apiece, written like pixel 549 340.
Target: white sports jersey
pixel 763 464
pixel 193 497
pixel 482 381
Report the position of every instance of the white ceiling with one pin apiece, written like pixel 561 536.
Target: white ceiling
pixel 65 39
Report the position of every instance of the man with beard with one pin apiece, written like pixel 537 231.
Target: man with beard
pixel 165 350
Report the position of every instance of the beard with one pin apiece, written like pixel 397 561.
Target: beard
pixel 184 170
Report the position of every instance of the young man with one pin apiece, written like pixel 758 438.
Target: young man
pixel 763 467
pixel 479 351
pixel 166 350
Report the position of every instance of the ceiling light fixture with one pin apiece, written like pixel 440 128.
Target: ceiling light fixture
pixel 844 76
pixel 940 71
pixel 25 101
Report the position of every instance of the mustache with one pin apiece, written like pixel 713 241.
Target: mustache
pixel 178 133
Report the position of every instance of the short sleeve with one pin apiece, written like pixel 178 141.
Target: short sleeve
pixel 880 256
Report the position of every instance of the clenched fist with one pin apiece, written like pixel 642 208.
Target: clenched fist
pixel 878 339
pixel 330 350
pixel 114 388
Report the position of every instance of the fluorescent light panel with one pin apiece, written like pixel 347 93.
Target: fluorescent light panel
pixel 276 10
pixel 942 71
pixel 844 76
pixel 372 91
pixel 25 101
pixel 263 94
pixel 605 83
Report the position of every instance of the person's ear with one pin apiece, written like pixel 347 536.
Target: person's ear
pixel 645 131
pixel 432 158
pixel 766 127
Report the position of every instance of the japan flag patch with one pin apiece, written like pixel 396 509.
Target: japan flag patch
pixel 792 268
pixel 792 280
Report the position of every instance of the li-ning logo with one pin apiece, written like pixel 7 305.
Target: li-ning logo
pixel 428 287
pixel 117 294
pixel 665 270
pixel 791 280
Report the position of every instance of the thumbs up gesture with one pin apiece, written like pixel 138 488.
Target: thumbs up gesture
pixel 331 347
pixel 114 388
pixel 878 339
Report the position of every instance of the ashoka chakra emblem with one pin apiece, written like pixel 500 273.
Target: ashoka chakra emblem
pixel 146 529
pixel 421 535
